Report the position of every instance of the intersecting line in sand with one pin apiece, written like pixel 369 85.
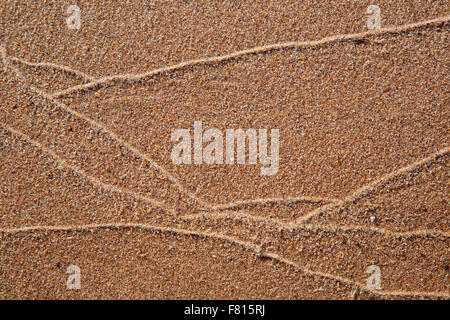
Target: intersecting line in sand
pixel 246 245
pixel 213 60
pixel 253 51
pixel 127 145
pixel 242 216
pixel 258 250
pixel 99 82
pixel 214 209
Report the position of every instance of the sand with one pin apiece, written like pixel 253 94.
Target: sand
pixel 86 176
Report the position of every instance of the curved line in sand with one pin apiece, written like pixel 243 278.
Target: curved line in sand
pixel 158 167
pixel 113 188
pixel 369 188
pixel 51 65
pixel 95 181
pixel 334 228
pixel 217 59
pixel 103 128
pixel 361 192
pixel 220 215
pixel 223 215
pixel 257 50
pixel 246 245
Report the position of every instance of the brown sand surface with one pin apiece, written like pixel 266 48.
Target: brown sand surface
pixel 86 176
pixel 176 267
pixel 353 112
pixel 413 200
pixel 140 35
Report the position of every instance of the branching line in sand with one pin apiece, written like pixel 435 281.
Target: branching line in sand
pixel 358 194
pixel 240 215
pixel 334 228
pixel 102 127
pixel 369 188
pixel 258 250
pixel 244 244
pixel 156 166
pixel 301 222
pixel 95 181
pixel 51 65
pixel 257 50
pixel 218 59
pixel 219 215
pixel 333 202
pixel 222 215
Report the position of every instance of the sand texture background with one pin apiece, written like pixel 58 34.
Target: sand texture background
pixel 86 177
